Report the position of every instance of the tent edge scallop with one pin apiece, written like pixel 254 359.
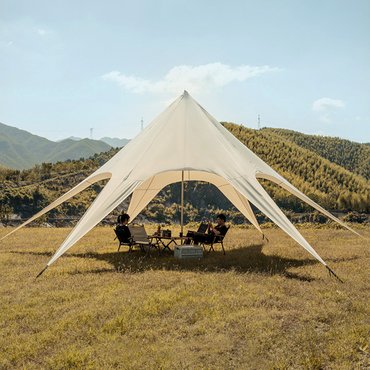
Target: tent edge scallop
pixel 174 176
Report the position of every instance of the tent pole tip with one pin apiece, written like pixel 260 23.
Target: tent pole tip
pixel 41 272
pixel 332 273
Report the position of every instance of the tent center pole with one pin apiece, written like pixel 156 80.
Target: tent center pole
pixel 182 205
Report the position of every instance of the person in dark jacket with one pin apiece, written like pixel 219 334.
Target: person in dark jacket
pixel 219 230
pixel 122 229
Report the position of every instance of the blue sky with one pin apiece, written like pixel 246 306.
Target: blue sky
pixel 67 66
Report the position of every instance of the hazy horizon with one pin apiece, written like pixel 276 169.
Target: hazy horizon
pixel 72 137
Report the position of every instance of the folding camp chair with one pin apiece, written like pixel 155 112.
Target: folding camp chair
pixel 218 239
pixel 129 242
pixel 140 238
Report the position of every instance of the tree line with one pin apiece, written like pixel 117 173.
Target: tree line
pixel 332 186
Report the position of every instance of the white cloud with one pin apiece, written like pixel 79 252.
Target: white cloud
pixel 186 77
pixel 325 104
pixel 42 32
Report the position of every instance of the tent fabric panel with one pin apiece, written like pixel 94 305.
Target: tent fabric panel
pixel 108 199
pixel 150 188
pixel 259 197
pixel 140 199
pixel 241 203
pixel 144 193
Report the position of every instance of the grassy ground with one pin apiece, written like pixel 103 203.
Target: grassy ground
pixel 262 306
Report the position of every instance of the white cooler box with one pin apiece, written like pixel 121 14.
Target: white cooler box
pixel 188 251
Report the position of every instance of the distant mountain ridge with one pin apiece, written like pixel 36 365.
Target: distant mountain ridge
pixel 114 142
pixel 75 138
pixel 20 149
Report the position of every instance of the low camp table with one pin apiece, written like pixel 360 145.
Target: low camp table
pixel 166 241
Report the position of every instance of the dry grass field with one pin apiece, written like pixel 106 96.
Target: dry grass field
pixel 262 306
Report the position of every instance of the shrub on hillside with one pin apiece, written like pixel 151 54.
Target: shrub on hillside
pixel 356 217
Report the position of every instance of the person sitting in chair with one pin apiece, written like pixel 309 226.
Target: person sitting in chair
pixel 214 232
pixel 123 232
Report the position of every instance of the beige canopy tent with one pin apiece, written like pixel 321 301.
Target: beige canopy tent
pixel 183 143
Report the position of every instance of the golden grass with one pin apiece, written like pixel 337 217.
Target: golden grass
pixel 262 306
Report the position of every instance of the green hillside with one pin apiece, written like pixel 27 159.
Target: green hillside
pixel 352 156
pixel 19 149
pixel 332 186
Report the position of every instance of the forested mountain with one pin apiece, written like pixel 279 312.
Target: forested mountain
pixel 20 149
pixel 331 185
pixel 352 156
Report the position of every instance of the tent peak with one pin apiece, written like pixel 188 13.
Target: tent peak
pixel 185 93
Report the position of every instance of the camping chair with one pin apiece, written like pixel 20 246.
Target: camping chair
pixel 129 242
pixel 218 239
pixel 140 238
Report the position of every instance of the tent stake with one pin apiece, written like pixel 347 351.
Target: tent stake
pixel 331 272
pixel 264 237
pixel 42 271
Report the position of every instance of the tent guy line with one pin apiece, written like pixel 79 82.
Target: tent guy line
pixel 183 143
